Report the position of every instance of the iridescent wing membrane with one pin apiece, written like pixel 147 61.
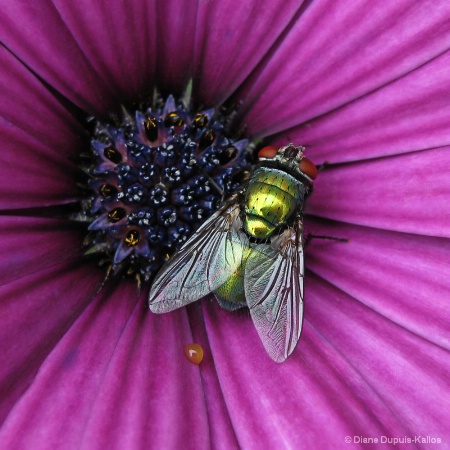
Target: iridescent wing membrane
pixel 274 292
pixel 203 264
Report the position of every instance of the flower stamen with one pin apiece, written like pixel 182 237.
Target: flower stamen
pixel 132 238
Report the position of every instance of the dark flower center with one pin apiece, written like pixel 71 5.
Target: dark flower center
pixel 155 177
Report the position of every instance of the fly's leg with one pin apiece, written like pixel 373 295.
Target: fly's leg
pixel 193 162
pixel 311 236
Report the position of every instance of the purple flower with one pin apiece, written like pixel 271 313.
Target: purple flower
pixel 365 87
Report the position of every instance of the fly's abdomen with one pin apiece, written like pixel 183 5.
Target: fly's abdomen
pixel 271 198
pixel 232 291
pixel 231 294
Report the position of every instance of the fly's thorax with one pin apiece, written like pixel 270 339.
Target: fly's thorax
pixel 271 198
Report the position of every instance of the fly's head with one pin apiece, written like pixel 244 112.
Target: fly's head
pixel 290 159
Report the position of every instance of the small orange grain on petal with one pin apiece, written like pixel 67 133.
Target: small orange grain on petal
pixel 194 353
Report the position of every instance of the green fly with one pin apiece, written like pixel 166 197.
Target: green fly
pixel 250 252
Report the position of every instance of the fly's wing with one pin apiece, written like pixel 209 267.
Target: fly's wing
pixel 204 262
pixel 274 291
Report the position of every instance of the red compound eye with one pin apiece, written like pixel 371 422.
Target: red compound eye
pixel 268 152
pixel 308 168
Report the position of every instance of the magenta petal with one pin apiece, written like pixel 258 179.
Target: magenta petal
pixel 127 365
pixel 406 193
pixel 221 428
pixel 297 398
pixel 33 244
pixel 35 312
pixel 154 403
pixel 335 54
pixel 409 114
pixel 26 103
pixel 399 276
pixel 401 370
pixel 39 141
pixel 27 177
pixel 38 36
pixel 176 27
pixel 231 39
pixel 117 39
